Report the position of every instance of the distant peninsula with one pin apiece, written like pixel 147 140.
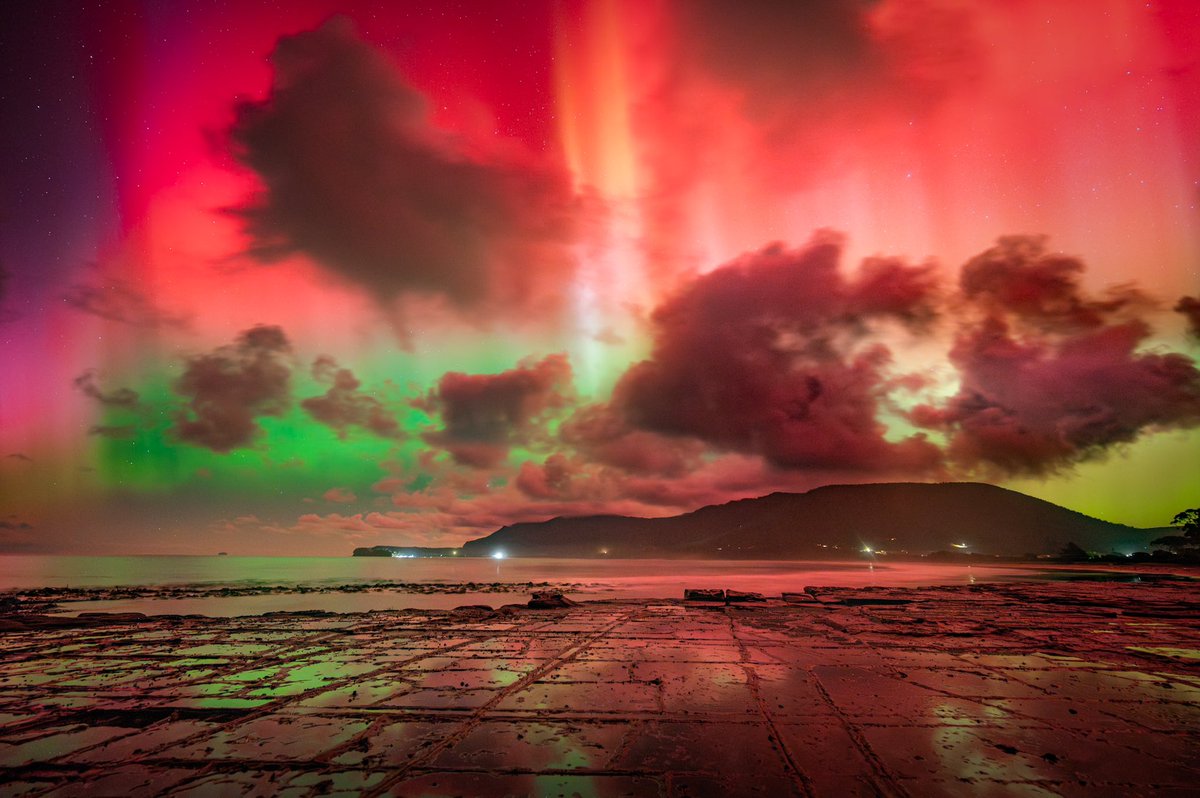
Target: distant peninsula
pixel 831 522
pixel 404 551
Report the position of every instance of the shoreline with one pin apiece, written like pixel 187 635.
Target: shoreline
pixel 1039 687
pixel 243 598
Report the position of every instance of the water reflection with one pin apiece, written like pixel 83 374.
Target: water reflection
pixel 360 584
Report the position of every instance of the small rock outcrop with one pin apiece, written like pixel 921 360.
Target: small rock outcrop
pixel 703 594
pixel 739 596
pixel 549 600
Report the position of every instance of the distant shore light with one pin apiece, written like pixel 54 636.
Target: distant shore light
pixel 497 555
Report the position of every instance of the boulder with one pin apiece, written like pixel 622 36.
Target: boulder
pixel 799 598
pixel 738 596
pixel 703 594
pixel 549 600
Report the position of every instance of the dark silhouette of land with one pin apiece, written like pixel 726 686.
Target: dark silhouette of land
pixel 831 522
pixel 404 551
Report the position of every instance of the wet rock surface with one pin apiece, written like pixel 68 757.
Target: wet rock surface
pixel 549 600
pixel 47 599
pixel 741 596
pixel 1030 689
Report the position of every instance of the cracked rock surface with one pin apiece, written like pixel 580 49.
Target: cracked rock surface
pixel 1010 689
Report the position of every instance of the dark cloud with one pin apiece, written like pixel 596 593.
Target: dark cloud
pixel 121 397
pixel 606 437
pixel 229 388
pixel 483 415
pixel 1190 308
pixel 118 301
pixel 19 456
pixel 343 406
pixel 773 44
pixel 1019 278
pixel 795 63
pixel 355 176
pixel 1050 377
pixel 765 356
pixel 10 525
pixel 550 480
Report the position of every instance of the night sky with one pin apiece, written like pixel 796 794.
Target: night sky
pixel 296 277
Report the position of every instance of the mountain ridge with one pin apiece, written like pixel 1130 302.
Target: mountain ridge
pixel 911 518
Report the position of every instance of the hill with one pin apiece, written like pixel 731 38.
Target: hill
pixel 828 522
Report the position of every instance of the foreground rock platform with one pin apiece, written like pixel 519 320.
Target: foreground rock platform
pixel 1015 689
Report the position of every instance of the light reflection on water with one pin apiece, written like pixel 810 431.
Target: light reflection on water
pixel 596 579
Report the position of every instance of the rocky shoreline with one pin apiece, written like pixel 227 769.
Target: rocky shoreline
pixel 1029 688
pixel 52 599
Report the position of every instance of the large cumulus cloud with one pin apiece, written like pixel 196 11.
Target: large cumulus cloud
pixel 229 388
pixel 765 356
pixel 344 406
pixel 483 415
pixel 1050 376
pixel 603 435
pixel 1020 278
pixel 355 176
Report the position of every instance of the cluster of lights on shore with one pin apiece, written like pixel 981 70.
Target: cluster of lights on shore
pixel 871 550
pixel 867 550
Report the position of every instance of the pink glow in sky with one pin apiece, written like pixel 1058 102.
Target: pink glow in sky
pixel 298 279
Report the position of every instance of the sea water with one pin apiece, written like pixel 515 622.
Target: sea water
pixel 320 583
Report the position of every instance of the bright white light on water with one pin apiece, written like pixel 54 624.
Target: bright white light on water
pixel 867 549
pixel 959 545
pixel 497 555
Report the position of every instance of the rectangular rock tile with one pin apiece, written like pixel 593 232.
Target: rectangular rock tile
pixel 277 739
pixel 358 694
pixel 953 752
pixel 592 671
pixel 150 739
pixel 584 697
pixel 123 781
pixel 528 745
pixel 710 747
pixel 456 785
pixel 692 786
pixel 1059 713
pixel 439 698
pixel 790 691
pixel 826 754
pixel 466 679
pixel 693 688
pixel 394 744
pixel 863 693
pixel 972 684
pixel 45 745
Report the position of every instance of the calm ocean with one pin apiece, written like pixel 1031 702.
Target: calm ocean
pixel 321 580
